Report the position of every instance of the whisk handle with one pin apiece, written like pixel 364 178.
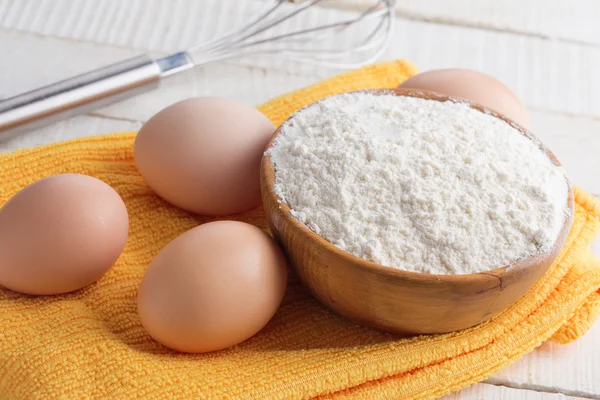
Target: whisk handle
pixel 86 92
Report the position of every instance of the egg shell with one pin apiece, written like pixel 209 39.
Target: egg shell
pixel 60 234
pixel 212 287
pixel 474 86
pixel 203 155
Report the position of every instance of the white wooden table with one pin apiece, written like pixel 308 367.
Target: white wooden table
pixel 548 51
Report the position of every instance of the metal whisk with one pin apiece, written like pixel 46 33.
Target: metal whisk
pixel 266 33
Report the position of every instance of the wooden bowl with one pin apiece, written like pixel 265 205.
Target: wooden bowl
pixel 394 300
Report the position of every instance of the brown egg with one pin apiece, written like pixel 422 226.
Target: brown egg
pixel 60 234
pixel 212 287
pixel 203 155
pixel 474 86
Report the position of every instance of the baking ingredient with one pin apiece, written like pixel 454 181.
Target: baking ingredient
pixel 474 86
pixel 420 185
pixel 203 155
pixel 60 234
pixel 212 287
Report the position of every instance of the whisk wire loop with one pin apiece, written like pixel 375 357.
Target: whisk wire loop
pixel 268 33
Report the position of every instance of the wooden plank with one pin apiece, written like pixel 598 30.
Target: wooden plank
pixel 30 61
pixel 572 21
pixel 572 368
pixel 484 391
pixel 576 143
pixel 80 126
pixel 541 71
pixel 155 25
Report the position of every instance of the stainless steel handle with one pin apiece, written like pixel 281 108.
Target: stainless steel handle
pixel 86 92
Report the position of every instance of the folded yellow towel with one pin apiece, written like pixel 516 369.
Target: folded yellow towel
pixel 90 344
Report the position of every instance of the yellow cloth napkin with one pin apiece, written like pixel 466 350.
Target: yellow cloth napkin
pixel 90 344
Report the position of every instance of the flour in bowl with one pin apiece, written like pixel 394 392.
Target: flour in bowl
pixel 419 185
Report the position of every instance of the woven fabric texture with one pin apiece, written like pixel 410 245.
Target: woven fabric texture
pixel 90 343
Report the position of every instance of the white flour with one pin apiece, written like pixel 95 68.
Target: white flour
pixel 418 185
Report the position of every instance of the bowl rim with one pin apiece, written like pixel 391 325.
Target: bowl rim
pixel 267 172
